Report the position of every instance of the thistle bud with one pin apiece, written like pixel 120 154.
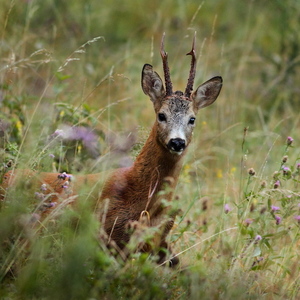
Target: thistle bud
pixel 278 220
pixel 263 184
pixel 227 208
pixel 258 238
pixel 286 171
pixel 289 141
pixel 251 172
pixel 277 184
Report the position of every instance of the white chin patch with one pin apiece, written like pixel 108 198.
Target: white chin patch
pixel 175 152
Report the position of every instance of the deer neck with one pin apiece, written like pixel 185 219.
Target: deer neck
pixel 154 166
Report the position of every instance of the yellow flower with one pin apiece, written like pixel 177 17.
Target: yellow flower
pixel 19 127
pixel 219 173
pixel 186 175
pixel 187 167
pixel 79 148
pixel 232 170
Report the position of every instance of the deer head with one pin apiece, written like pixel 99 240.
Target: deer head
pixel 176 111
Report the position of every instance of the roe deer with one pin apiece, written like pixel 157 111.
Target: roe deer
pixel 133 192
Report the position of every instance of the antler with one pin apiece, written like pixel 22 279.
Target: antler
pixel 164 56
pixel 189 87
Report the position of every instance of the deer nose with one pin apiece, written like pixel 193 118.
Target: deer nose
pixel 177 145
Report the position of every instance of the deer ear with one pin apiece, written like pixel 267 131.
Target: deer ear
pixel 207 92
pixel 152 84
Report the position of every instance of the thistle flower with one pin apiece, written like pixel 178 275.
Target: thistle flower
pixel 275 208
pixel 277 184
pixel 86 135
pixel 297 218
pixel 65 185
pixel 43 187
pixel 227 208
pixel 83 134
pixel 278 220
pixel 286 170
pixel 258 238
pixel 58 133
pixel 63 176
pixel 248 221
pixel 51 155
pixel 289 141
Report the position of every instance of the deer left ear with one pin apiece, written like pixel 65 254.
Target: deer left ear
pixel 152 84
pixel 207 93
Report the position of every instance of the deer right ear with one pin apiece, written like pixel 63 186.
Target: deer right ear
pixel 152 84
pixel 207 92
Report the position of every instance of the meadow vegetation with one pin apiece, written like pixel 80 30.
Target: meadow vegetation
pixel 71 101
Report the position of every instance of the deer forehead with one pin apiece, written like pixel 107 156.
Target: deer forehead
pixel 177 107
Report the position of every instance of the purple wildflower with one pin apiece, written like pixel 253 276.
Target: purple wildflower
pixel 298 166
pixel 275 208
pixel 286 170
pixel 278 220
pixel 297 218
pixel 86 135
pixel 39 196
pixel 258 238
pixel 248 221
pixel 289 140
pixel 227 208
pixel 277 184
pixel 64 176
pixel 51 155
pixel 58 133
pixel 44 187
pixel 66 185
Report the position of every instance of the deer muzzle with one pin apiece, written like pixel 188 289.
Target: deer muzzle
pixel 176 146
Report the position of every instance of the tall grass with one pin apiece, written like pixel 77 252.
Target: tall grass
pixel 78 64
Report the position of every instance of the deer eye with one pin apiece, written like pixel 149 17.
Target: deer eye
pixel 162 117
pixel 192 121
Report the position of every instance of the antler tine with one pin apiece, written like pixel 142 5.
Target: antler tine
pixel 164 56
pixel 189 87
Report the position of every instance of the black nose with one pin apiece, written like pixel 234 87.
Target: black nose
pixel 177 145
